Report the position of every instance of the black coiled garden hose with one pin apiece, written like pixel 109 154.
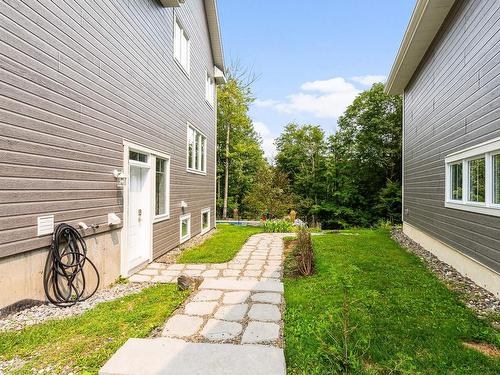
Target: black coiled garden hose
pixel 64 278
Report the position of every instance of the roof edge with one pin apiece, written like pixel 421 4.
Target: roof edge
pixel 215 34
pixel 425 22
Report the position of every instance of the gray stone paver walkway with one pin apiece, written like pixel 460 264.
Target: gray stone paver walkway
pixel 238 303
pixel 246 290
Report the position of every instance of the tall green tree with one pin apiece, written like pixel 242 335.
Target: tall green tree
pixel 239 153
pixel 354 176
pixel 369 140
pixel 270 194
pixel 301 155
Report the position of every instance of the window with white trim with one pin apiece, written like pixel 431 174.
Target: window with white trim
pixel 205 220
pixel 473 179
pixel 162 188
pixel 196 150
pixel 185 227
pixel 182 46
pixel 210 89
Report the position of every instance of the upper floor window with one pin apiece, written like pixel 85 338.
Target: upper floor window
pixel 210 89
pixel 182 46
pixel 473 179
pixel 197 150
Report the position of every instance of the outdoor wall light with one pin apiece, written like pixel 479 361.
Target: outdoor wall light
pixel 184 205
pixel 121 178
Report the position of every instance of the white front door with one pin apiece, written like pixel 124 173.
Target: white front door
pixel 139 216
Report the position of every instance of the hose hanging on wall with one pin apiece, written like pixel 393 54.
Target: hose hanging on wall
pixel 64 278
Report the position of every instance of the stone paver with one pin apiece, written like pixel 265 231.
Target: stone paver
pixel 200 308
pixel 217 330
pixel 207 295
pixel 258 332
pixel 232 312
pixel 182 326
pixel 238 302
pixel 235 297
pixel 173 356
pixel 254 285
pixel 264 312
pixel 267 298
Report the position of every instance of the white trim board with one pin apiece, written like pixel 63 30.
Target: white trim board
pixel 471 152
pixel 467 266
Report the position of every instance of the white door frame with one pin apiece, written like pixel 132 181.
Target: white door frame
pixel 127 146
pixel 124 265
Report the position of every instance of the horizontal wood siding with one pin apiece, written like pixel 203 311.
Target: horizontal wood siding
pixel 77 78
pixel 453 102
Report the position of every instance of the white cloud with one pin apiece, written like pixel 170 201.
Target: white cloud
pixel 265 103
pixel 329 86
pixel 267 138
pixel 369 80
pixel 322 99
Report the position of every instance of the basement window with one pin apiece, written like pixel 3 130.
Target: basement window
pixel 473 179
pixel 185 228
pixel 205 220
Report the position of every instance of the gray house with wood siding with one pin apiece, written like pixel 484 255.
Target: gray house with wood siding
pixel 448 70
pixel 108 123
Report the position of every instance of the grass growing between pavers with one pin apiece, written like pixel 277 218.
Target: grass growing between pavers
pixel 373 308
pixel 86 342
pixel 221 247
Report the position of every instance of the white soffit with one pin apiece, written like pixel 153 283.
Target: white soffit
pixel 425 22
pixel 215 35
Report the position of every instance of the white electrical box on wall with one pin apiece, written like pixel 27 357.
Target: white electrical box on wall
pixel 45 225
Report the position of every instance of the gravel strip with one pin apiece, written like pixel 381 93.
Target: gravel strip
pixel 41 313
pixel 484 303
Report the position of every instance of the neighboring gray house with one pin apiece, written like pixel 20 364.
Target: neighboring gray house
pixel 107 118
pixel 448 69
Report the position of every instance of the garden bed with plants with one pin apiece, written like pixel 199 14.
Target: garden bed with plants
pixel 373 308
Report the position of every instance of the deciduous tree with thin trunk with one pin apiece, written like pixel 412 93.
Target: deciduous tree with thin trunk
pixel 239 152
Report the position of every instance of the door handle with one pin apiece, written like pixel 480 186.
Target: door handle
pixel 139 213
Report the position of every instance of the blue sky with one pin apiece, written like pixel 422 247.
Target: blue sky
pixel 313 57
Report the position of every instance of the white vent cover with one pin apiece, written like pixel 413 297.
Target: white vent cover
pixel 45 225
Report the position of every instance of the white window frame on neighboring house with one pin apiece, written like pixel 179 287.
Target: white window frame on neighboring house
pixel 188 235
pixel 210 90
pixel 488 151
pixel 196 141
pixel 203 212
pixel 182 47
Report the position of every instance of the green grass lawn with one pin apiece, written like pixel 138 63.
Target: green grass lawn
pixel 403 320
pixel 89 340
pixel 220 247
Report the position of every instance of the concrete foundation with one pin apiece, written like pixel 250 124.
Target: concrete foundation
pixel 21 276
pixel 477 272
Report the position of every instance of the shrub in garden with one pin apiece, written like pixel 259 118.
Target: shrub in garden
pixel 277 226
pixel 304 252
